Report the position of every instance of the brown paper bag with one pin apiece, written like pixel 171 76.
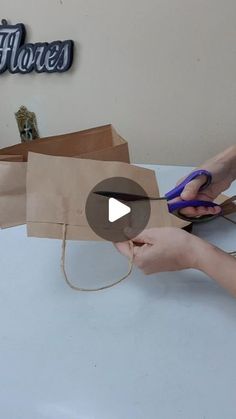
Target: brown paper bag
pixel 57 191
pixel 58 188
pixel 9 157
pixel 102 143
pixel 12 193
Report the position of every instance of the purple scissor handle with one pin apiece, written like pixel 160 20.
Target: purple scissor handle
pixel 175 207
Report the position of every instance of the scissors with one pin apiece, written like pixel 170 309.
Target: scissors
pixel 176 207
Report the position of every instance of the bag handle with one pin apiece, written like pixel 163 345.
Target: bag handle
pixel 74 287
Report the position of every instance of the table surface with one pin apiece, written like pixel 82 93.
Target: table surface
pixel 162 346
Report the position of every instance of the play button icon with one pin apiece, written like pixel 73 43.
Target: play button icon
pixel 113 213
pixel 117 210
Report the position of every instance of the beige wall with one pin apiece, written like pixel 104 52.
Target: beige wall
pixel 162 71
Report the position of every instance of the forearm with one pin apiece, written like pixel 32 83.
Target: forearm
pixel 229 156
pixel 217 264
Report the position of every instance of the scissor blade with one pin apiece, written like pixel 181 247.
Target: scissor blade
pixel 124 196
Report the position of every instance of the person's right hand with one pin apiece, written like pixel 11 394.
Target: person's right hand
pixel 223 170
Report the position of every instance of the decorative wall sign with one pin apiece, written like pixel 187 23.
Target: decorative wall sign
pixel 42 57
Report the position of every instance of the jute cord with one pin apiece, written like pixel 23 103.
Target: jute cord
pixel 75 287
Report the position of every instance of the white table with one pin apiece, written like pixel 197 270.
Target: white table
pixel 159 347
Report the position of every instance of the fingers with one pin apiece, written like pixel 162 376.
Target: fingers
pixel 159 250
pixel 200 211
pixel 124 248
pixel 143 240
pixel 192 188
pixel 148 236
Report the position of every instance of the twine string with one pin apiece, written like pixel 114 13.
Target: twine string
pixel 75 287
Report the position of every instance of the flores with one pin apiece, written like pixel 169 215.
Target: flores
pixel 17 57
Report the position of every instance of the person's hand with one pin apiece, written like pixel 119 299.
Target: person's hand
pixel 172 249
pixel 163 249
pixel 223 170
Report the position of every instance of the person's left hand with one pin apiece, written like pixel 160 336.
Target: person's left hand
pixel 163 249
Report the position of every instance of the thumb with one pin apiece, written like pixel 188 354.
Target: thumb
pixel 192 188
pixel 146 237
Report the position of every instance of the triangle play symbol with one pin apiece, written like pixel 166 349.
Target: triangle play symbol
pixel 117 210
